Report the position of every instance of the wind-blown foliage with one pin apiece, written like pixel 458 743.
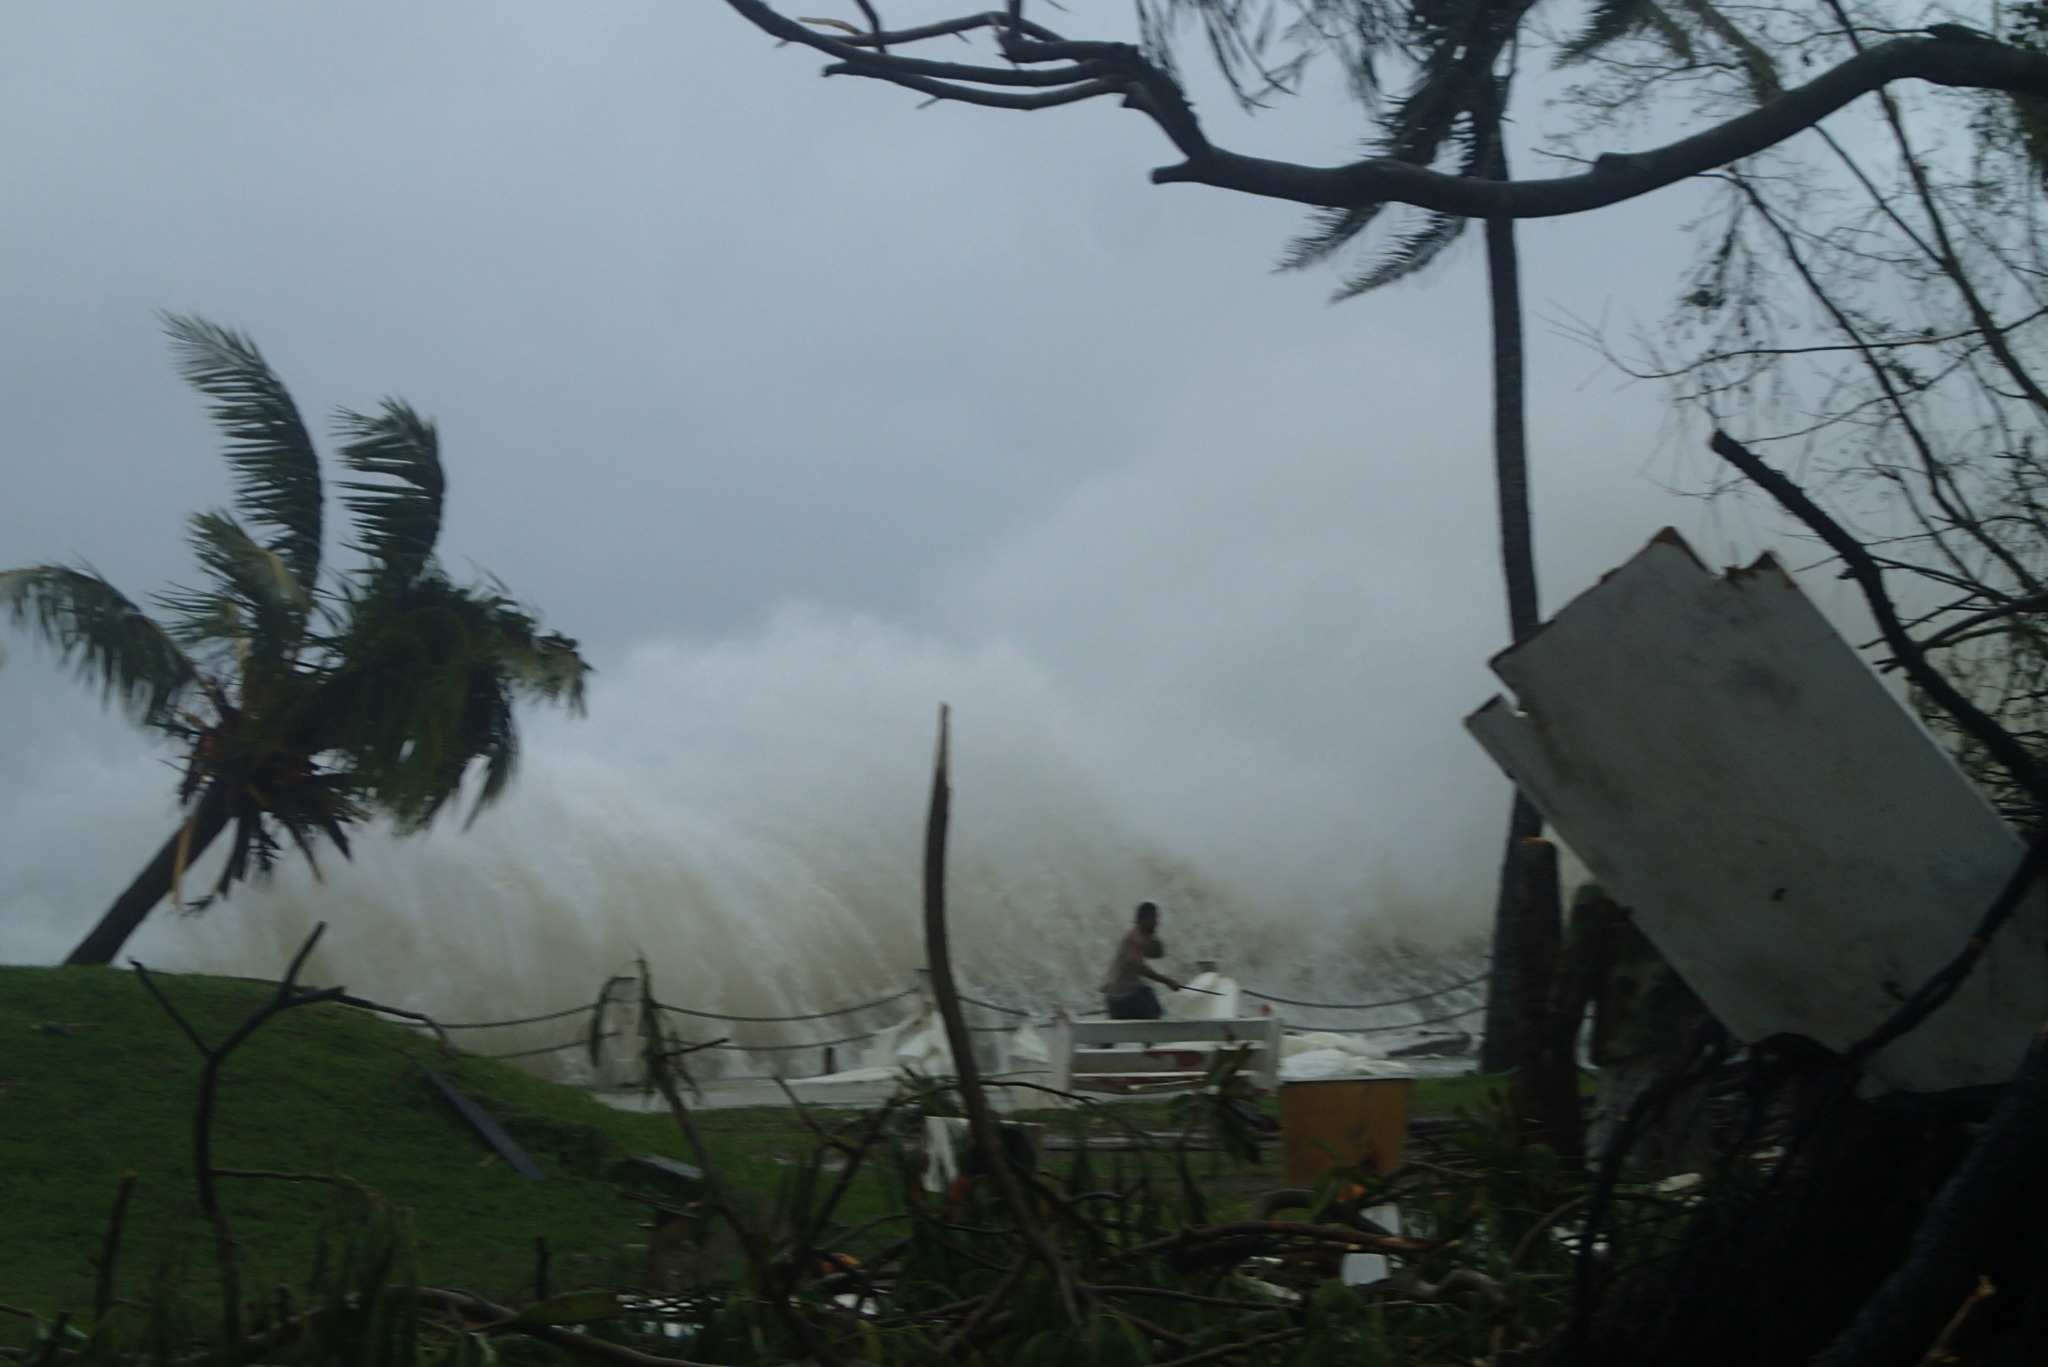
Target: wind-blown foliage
pixel 1449 112
pixel 306 703
pixel 398 515
pixel 277 472
pixel 93 626
pixel 1451 53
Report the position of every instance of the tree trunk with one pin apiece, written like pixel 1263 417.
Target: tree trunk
pixel 1501 1049
pixel 1546 1086
pixel 208 820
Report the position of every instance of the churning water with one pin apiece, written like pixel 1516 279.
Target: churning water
pixel 749 816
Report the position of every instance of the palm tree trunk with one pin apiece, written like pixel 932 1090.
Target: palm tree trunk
pixel 208 820
pixel 1501 1049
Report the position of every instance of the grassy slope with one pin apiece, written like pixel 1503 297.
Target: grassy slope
pixel 319 1090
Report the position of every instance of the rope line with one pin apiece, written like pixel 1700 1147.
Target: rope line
pixel 576 1043
pixel 1384 1029
pixel 993 1006
pixel 1026 1018
pixel 582 1010
pixel 784 1048
pixel 1445 991
pixel 785 1020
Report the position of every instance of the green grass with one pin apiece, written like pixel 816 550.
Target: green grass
pixel 318 1090
pixel 333 1090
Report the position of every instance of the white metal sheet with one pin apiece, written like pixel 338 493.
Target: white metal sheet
pixel 1790 837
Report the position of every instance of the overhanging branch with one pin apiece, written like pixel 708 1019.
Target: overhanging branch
pixel 1615 177
pixel 1103 68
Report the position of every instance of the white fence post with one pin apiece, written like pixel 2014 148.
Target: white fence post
pixel 1062 1050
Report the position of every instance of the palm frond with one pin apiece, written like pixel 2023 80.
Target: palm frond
pixel 1454 79
pixel 1265 45
pixel 426 691
pixel 1433 117
pixel 1408 254
pixel 495 738
pixel 256 606
pixel 277 472
pixel 1607 22
pixel 1330 232
pixel 111 641
pixel 398 514
pixel 545 665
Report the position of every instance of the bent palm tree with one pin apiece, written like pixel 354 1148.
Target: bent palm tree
pixel 303 707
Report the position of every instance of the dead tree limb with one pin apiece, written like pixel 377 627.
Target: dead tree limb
pixel 1996 740
pixel 981 1121
pixel 286 997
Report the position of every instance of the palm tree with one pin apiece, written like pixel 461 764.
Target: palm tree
pixel 1461 55
pixel 302 706
pixel 1455 105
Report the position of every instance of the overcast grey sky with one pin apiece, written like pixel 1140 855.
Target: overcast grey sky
pixel 805 408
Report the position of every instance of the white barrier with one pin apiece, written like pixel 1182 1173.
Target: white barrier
pixel 1075 1048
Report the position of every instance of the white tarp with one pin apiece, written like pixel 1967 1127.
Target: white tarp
pixel 1319 1055
pixel 1791 839
pixel 1204 997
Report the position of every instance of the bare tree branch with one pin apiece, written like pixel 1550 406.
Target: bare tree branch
pixel 1996 740
pixel 1112 68
pixel 287 996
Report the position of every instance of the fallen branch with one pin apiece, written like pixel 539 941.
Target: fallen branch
pixel 500 1318
pixel 1996 740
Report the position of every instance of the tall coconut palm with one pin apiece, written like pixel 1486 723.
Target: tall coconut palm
pixel 304 705
pixel 1458 57
pixel 1454 107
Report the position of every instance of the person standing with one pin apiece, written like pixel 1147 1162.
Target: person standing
pixel 1124 991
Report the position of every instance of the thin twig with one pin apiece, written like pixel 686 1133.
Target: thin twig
pixel 110 1250
pixel 1968 717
